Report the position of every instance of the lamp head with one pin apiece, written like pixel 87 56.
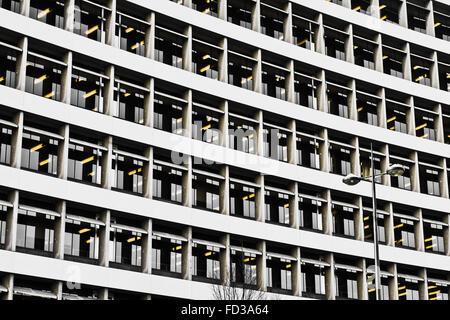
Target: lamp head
pixel 351 179
pixel 395 170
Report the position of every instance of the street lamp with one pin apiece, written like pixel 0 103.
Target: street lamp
pixel 351 180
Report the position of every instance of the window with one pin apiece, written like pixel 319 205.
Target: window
pixel 39 153
pixel 82 239
pixel 35 231
pixel 125 247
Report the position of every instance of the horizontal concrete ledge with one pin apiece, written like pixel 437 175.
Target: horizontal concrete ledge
pixel 113 200
pixel 86 274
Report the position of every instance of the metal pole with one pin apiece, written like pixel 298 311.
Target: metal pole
pixel 375 230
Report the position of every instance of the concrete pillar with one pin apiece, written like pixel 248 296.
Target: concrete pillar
pixel 256 16
pixel 257 72
pixel 443 179
pixel 103 294
pixel 439 124
pixel 296 272
pixel 25 7
pixel 147 244
pixel 415 173
pixel 187 183
pixel 386 179
pixel 224 192
pixel 375 9
pixel 351 101
pixel 108 99
pixel 349 46
pixel 287 25
pixel 290 83
pixel 434 71
pixel 16 141
pixel 362 281
pixel 57 289
pixel 69 15
pixel 327 215
pixel 149 103
pixel 225 260
pixel 8 283
pixel 66 79
pixel 403 14
pixel 322 96
pixel 411 118
pixel 292 143
pixel 260 209
pixel 378 54
pixel 104 236
pixel 107 163
pixel 148 174
pixel 330 278
pixel 223 60
pixel 187 50
pixel 11 221
pixel 260 133
pixel 293 207
pixel 325 151
pixel 187 254
pixel 430 24
pixel 187 3
pixel 110 25
pixel 423 285
pixel 63 152
pixel 187 115
pixel 21 64
pixel 447 236
pixel 150 36
pixel 60 230
pixel 393 282
pixel 347 4
pixel 418 231
pixel 319 36
pixel 359 220
pixel 389 226
pixel 381 109
pixel 261 267
pixel 355 157
pixel 223 125
pixel 222 9
pixel 407 73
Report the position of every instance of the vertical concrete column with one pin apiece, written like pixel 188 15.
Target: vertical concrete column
pixel 187 50
pixel 378 53
pixel 187 115
pixel 347 3
pixel 411 117
pixel 222 8
pixel 150 36
pixel 322 96
pixel 225 191
pixel 223 60
pixel 296 272
pixel 430 26
pixel 447 236
pixel 349 46
pixel 57 289
pixel 149 103
pixel 359 220
pixel 11 221
pixel 16 141
pixel 423 285
pixel 418 231
pixel 60 230
pixel 330 278
pixel 287 25
pixel 389 226
pixel 261 266
pixel 362 280
pixel 107 161
pixel 386 179
pixel 290 82
pixel 319 36
pixel 110 25
pixel 25 7
pixel 256 16
pixel 223 125
pixel 66 79
pixel 325 151
pixel 187 254
pixel 260 134
pixel 187 183
pixel 403 14
pixel 292 143
pixel 393 282
pixel 351 101
pixel 63 152
pixel 109 105
pixel 21 64
pixel 443 179
pixel 8 283
pixel 103 294
pixel 407 73
pixel 375 9
pixel 104 236
pixel 148 174
pixel 69 15
pixel 355 157
pixel 439 124
pixel 327 215
pixel 381 109
pixel 434 71
pixel 225 260
pixel 187 3
pixel 415 172
pixel 293 207
pixel 257 72
pixel 147 244
pixel 260 207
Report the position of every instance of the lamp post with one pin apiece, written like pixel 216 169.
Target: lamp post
pixel 351 180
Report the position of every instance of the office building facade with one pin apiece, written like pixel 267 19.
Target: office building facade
pixel 160 149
